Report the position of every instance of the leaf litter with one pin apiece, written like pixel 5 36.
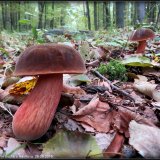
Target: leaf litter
pixel 96 117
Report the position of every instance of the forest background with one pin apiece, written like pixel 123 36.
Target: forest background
pixel 77 15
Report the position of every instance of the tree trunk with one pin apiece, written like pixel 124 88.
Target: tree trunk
pixel 151 11
pixel 62 23
pixel 98 15
pixel 52 20
pixel 41 10
pixel 141 11
pixel 107 18
pixel 3 15
pixel 88 15
pixel 45 15
pixel 133 13
pixel 19 15
pixel 11 15
pixel 85 13
pixel 120 7
pixel 158 16
pixel 95 16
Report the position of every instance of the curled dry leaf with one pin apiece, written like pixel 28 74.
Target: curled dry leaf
pixel 123 118
pixel 106 84
pixel 102 118
pixel 73 90
pixel 145 139
pixel 148 89
pixel 137 98
pixel 98 115
pixel 88 109
pixel 23 86
pixel 145 87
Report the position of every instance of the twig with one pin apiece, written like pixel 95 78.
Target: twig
pixel 6 109
pixel 112 86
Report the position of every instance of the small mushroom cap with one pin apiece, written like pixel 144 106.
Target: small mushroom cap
pixel 141 34
pixel 49 59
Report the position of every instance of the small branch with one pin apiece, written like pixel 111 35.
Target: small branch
pixel 112 86
pixel 5 108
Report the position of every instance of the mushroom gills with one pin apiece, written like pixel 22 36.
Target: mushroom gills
pixel 34 116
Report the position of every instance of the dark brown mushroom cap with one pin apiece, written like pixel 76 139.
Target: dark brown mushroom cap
pixel 141 34
pixel 49 59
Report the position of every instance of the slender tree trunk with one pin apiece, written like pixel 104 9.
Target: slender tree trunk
pixel 151 11
pixel 107 18
pixel 19 15
pixel 85 13
pixel 98 14
pixel 158 16
pixel 41 10
pixel 95 16
pixel 3 15
pixel 120 7
pixel 11 15
pixel 52 20
pixel 140 11
pixel 62 23
pixel 88 15
pixel 104 6
pixel 45 16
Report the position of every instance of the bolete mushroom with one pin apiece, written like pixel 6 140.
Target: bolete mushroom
pixel 141 35
pixel 49 62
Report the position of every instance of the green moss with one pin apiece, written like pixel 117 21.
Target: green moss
pixel 114 69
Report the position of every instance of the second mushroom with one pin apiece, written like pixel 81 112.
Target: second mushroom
pixel 141 35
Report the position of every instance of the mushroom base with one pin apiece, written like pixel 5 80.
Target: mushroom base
pixel 34 116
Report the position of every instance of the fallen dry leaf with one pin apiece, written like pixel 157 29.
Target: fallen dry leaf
pixel 103 118
pixel 137 98
pixel 14 149
pixel 148 89
pixel 73 90
pixel 123 118
pixel 145 87
pixel 23 86
pixel 99 116
pixel 6 97
pixel 106 84
pixel 104 140
pixel 3 141
pixel 88 108
pixel 145 139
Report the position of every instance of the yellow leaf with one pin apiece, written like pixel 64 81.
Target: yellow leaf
pixel 23 87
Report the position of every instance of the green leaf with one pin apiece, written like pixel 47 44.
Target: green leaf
pixel 114 44
pixel 137 61
pixel 69 144
pixel 24 21
pixel 78 79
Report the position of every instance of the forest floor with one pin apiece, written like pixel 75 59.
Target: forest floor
pixel 113 110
